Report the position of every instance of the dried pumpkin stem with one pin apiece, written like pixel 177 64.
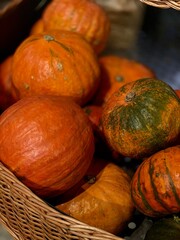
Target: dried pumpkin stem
pixel 130 96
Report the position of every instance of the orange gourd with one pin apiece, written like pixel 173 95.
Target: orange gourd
pixel 83 16
pixel 47 142
pixel 102 198
pixel 56 63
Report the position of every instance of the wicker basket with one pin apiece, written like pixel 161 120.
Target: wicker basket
pixel 163 3
pixel 27 217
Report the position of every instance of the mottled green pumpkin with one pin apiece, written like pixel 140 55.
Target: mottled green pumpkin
pixel 165 229
pixel 141 118
pixel 155 186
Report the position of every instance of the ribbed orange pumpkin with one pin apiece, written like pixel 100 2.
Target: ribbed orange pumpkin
pixel 37 27
pixel 117 71
pixel 56 63
pixel 83 16
pixel 155 186
pixel 47 142
pixel 141 118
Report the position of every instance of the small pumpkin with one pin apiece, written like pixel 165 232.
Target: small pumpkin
pixel 165 229
pixel 37 27
pixel 117 71
pixel 85 17
pixel 141 118
pixel 155 186
pixel 47 142
pixel 56 63
pixel 6 89
pixel 178 92
pixel 102 199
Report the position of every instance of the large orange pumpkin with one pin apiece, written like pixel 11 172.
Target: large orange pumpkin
pixel 141 118
pixel 47 142
pixel 83 16
pixel 56 63
pixel 155 186
pixel 102 198
pixel 117 71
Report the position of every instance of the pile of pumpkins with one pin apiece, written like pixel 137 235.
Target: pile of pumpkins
pixel 71 115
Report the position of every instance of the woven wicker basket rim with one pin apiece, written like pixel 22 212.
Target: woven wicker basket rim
pixel 175 4
pixel 26 216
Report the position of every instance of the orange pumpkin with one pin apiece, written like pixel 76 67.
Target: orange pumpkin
pixel 141 118
pixel 102 198
pixel 178 92
pixel 6 89
pixel 37 27
pixel 47 142
pixel 155 186
pixel 83 16
pixel 56 63
pixel 117 71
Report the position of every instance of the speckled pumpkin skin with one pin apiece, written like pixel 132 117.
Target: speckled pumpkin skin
pixel 83 16
pixel 47 142
pixel 56 63
pixel 141 118
pixel 155 187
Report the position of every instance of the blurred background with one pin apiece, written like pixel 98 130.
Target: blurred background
pixel 148 34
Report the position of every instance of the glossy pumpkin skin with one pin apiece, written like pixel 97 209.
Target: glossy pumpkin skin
pixel 6 89
pixel 117 71
pixel 141 118
pixel 56 63
pixel 82 16
pixel 155 186
pixel 47 142
pixel 104 201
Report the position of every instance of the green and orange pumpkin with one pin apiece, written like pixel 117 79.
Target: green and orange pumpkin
pixel 155 186
pixel 141 118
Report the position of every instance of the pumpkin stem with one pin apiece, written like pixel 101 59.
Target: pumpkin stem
pixel 90 179
pixel 130 96
pixel 48 38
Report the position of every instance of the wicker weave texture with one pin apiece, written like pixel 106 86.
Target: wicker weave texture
pixel 175 4
pixel 27 217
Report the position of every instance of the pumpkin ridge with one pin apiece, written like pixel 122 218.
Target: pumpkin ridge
pixel 144 200
pixel 158 199
pixel 172 184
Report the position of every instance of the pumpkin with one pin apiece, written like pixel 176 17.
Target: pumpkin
pixel 6 89
pixel 141 118
pixel 85 17
pixel 47 142
pixel 178 92
pixel 155 186
pixel 56 63
pixel 37 27
pixel 94 114
pixel 102 198
pixel 117 71
pixel 164 229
